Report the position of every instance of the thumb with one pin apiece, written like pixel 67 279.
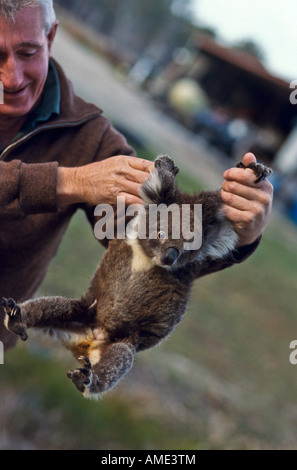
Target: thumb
pixel 249 158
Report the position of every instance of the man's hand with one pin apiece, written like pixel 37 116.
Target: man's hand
pixel 104 181
pixel 246 204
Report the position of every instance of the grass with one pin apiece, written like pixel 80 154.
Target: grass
pixel 223 380
pixel 51 413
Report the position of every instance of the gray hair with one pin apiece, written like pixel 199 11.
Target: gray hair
pixel 9 8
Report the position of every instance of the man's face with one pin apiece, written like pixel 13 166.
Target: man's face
pixel 24 54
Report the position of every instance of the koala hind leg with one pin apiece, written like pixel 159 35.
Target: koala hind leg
pixel 95 379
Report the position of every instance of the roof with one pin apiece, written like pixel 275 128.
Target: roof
pixel 239 59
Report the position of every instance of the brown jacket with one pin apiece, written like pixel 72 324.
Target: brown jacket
pixel 31 224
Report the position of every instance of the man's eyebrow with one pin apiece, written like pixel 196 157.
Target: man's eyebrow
pixel 24 45
pixel 28 44
pixel 35 45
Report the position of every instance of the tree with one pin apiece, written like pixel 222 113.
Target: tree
pixel 135 24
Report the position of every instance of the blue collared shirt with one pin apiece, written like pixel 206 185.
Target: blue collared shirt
pixel 49 106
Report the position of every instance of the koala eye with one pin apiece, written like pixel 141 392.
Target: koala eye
pixel 162 235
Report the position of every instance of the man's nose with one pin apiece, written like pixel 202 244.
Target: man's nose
pixel 11 74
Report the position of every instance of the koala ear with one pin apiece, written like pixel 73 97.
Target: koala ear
pixel 161 186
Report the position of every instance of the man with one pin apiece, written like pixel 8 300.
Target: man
pixel 58 153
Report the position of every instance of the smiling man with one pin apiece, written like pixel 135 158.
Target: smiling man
pixel 23 78
pixel 59 153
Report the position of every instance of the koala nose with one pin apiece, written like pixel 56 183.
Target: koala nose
pixel 170 256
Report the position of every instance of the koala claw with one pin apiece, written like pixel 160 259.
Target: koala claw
pixel 86 361
pixel 14 318
pixel 167 164
pixel 261 171
pixel 81 377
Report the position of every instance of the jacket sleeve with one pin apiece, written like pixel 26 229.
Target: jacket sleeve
pixel 27 188
pixel 113 143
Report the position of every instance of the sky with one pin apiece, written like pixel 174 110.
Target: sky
pixel 270 23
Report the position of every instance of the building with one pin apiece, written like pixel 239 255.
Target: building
pixel 248 107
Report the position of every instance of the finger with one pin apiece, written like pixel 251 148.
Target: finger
pixel 249 158
pixel 130 187
pixel 244 211
pixel 244 176
pixel 137 176
pixel 238 202
pixel 136 169
pixel 239 217
pixel 140 164
pixel 262 195
pixel 239 189
pixel 130 199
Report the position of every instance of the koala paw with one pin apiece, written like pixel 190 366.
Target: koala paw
pixel 261 171
pixel 81 377
pixel 166 163
pixel 14 321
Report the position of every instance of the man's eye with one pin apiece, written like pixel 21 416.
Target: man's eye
pixel 27 53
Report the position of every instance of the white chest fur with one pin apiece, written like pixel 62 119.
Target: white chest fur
pixel 140 261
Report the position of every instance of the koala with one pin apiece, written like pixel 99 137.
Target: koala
pixel 141 288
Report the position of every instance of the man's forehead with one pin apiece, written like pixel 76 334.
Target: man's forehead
pixel 26 27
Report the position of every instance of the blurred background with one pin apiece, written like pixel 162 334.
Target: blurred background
pixel 205 81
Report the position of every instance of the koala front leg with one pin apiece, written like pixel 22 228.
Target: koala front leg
pixel 261 171
pixel 95 379
pixel 44 312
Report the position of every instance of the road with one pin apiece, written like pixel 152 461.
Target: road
pixel 124 103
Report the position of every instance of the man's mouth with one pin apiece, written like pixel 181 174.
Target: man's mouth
pixel 15 93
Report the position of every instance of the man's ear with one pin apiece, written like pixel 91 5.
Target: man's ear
pixel 51 35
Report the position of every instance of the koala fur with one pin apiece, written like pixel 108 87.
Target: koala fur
pixel 139 292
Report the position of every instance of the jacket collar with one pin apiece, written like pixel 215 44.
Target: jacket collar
pixel 72 108
pixel 49 106
pixel 73 111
